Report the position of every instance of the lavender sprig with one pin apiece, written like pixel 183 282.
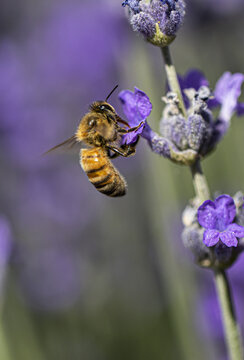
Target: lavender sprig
pixel 232 332
pixel 189 132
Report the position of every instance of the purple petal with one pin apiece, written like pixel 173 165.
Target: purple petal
pixel 228 238
pixel 193 79
pixel 207 216
pixel 236 229
pixel 227 92
pixel 226 211
pixel 213 103
pixel 136 106
pixel 144 104
pixel 131 137
pixel 211 237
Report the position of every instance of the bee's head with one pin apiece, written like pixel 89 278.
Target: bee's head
pixel 102 107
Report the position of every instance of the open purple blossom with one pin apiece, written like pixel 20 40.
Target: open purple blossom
pixel 137 107
pixel 226 92
pixel 184 139
pixel 225 95
pixel 158 20
pixel 217 217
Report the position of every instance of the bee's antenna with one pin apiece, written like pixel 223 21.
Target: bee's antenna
pixel 111 92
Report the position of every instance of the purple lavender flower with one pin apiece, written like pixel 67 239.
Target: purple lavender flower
pixel 158 21
pixel 137 107
pixel 225 95
pixel 221 256
pixel 183 139
pixel 217 218
pixel 226 92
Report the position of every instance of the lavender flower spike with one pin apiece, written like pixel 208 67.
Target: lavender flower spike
pixel 217 218
pixel 157 20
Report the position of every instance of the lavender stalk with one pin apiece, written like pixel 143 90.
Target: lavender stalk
pixel 200 183
pixel 172 78
pixel 232 331
pixel 189 131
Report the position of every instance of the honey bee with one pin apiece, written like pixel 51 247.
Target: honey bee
pixel 100 132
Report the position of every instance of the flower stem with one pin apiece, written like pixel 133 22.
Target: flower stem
pixel 232 332
pixel 172 78
pixel 200 183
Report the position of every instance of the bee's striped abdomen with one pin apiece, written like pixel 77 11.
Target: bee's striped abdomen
pixel 101 172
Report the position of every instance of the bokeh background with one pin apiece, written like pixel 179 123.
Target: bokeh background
pixel 83 276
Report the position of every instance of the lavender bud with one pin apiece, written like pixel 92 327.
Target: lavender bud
pixel 192 240
pixel 239 200
pixel 196 130
pixel 173 124
pixel 200 120
pixel 189 215
pixel 174 128
pixel 158 21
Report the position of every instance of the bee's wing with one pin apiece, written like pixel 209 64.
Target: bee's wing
pixel 67 144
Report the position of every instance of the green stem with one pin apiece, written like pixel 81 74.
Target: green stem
pixel 200 183
pixel 172 78
pixel 232 332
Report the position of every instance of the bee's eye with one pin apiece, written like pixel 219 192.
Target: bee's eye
pixel 105 107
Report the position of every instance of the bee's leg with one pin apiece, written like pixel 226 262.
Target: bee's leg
pixel 131 145
pixel 117 151
pixel 131 148
pixel 126 131
pixel 125 150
